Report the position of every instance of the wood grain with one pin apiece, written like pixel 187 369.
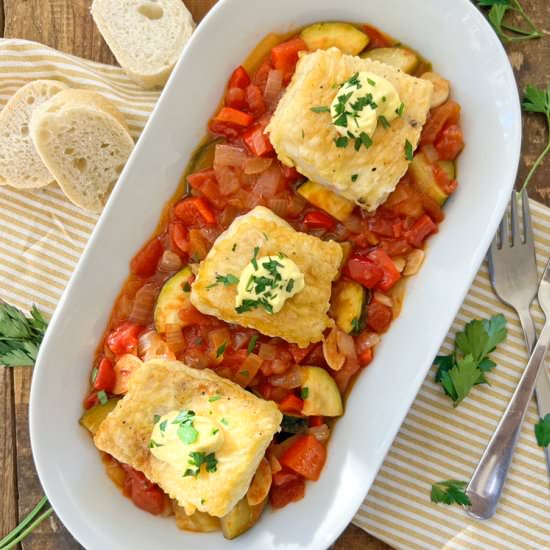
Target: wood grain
pixel 68 26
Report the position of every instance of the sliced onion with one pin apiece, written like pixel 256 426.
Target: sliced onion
pixel 267 351
pixel 169 262
pixel 174 338
pixel 384 299
pixel 274 463
pixel 292 378
pixel 151 345
pixel 228 214
pixel 296 204
pixel 228 182
pixel 430 152
pixel 218 338
pixel 366 340
pixel 240 340
pixel 353 223
pixel 333 357
pixel 273 86
pixel 249 368
pixel 278 366
pixel 321 433
pixel 346 344
pixel 268 182
pixel 229 155
pixel 142 309
pixel 257 165
pixel 278 206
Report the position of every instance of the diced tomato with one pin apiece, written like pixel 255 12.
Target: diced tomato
pixel 448 113
pixel 91 400
pixel 192 316
pixel 298 353
pixel 205 182
pixel 319 220
pixel 396 247
pixel 293 491
pixel 390 273
pixel 382 226
pixel 265 389
pixel 239 78
pixel 290 173
pixel 124 338
pixel 285 56
pixel 228 115
pixel 260 76
pixel 235 98
pixel 422 228
pixel 432 208
pixel 146 260
pixel 144 494
pixel 306 457
pixel 316 421
pixel 195 211
pixel 365 357
pixel 364 271
pixel 234 359
pixel 284 476
pixel 376 38
pixel 257 141
pixel 255 100
pixel 450 142
pixel 291 403
pixel 411 206
pixel 105 378
pixel 178 237
pixel 379 317
pixel 447 185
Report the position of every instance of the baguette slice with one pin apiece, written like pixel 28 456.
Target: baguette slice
pixel 20 164
pixel 83 140
pixel 145 36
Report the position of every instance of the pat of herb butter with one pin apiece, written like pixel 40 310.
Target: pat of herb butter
pixel 360 104
pixel 267 283
pixel 178 434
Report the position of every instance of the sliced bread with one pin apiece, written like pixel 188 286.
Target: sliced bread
pixel 145 36
pixel 84 141
pixel 20 164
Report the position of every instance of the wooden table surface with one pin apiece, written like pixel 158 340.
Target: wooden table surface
pixel 68 26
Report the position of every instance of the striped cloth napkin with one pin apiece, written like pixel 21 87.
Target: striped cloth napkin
pixel 42 235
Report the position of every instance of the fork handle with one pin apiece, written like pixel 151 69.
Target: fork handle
pixel 486 484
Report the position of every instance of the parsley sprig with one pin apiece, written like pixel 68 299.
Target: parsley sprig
pixel 20 336
pixel 450 491
pixel 460 371
pixel 197 459
pixel 542 431
pixel 186 432
pixel 537 100
pixel 498 16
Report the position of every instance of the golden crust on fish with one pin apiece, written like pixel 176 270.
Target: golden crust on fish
pixel 303 317
pixel 159 387
pixel 305 139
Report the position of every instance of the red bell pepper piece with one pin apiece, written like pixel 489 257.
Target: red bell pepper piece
pixel 365 357
pixel 195 211
pixel 285 56
pixel 91 400
pixel 239 78
pixel 422 228
pixel 144 494
pixel 449 142
pixel 379 317
pixel 235 98
pixel 316 421
pixel 319 220
pixel 146 260
pixel 306 457
pixel 105 377
pixel 124 338
pixel 228 115
pixel 205 181
pixel 390 273
pixel 257 141
pixel 376 38
pixel 448 113
pixel 178 237
pixel 291 403
pixel 364 271
pixel 281 495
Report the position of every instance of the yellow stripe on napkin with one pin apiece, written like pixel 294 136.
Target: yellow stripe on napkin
pixel 42 236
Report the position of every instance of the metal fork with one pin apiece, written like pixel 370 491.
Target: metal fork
pixel 513 272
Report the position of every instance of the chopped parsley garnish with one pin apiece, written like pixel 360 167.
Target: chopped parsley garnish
pixel 186 287
pixel 152 444
pixel 102 396
pixel 224 421
pixel 290 285
pixel 234 247
pixel 365 140
pixel 450 491
pixel 357 325
pixel 354 177
pixel 213 398
pixel 408 150
pixel 225 280
pixel 221 350
pixel 320 109
pixel 371 82
pixel 244 373
pixel 163 425
pixel 341 142
pixel 304 393
pixel 197 459
pixel 95 370
pixel 400 110
pixel 198 341
pixel 156 418
pixel 384 121
pixel 214 431
pixel 354 81
pixel 186 432
pixel 252 344
pixel 254 259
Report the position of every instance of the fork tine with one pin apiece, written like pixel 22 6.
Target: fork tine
pixel 503 230
pixel 516 233
pixel 527 226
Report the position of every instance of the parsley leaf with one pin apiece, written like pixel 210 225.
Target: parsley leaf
pixel 187 433
pixel 304 393
pixel 480 338
pixel 341 142
pixel 450 491
pixel 408 150
pixel 225 280
pixel 499 9
pixel 542 431
pixel 320 109
pixel 197 459
pixel 252 344
pixel 537 100
pixel 20 335
pixel 221 350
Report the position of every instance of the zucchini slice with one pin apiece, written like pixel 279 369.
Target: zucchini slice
pixel 422 174
pixel 343 36
pixel 92 418
pixel 241 518
pixel 199 522
pixel 172 298
pixel 348 305
pixel 400 58
pixel 448 166
pixel 320 393
pixel 322 197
